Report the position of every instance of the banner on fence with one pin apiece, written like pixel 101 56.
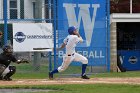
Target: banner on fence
pixel 32 37
pixel 90 17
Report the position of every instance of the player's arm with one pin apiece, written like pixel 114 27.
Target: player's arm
pixel 18 61
pixel 61 47
pixel 22 61
pixel 80 38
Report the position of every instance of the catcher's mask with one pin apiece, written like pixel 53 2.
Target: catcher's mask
pixel 8 49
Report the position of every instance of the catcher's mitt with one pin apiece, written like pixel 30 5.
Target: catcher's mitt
pixel 22 61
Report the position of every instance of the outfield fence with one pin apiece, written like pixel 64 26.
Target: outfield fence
pixel 56 12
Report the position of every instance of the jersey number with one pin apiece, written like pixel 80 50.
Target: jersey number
pixel 67 41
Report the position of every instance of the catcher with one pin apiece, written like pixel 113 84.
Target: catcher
pixel 6 71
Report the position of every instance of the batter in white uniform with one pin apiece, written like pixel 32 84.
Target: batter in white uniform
pixel 70 43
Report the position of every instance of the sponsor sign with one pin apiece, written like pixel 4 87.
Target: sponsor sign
pixel 32 37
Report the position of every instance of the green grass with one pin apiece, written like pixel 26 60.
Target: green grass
pixel 39 75
pixel 84 88
pixel 118 74
pixel 26 71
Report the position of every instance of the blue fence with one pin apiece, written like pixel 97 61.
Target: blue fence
pixel 130 59
pixel 91 17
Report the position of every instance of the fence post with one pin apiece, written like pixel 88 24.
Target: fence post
pixel 50 54
pixel 54 25
pixel 108 35
pixel 36 63
pixel 50 61
pixel 113 48
pixel 5 22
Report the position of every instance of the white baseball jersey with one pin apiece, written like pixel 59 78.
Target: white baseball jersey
pixel 71 55
pixel 71 41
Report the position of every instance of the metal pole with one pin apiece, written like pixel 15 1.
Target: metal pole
pixel 50 10
pixel 50 61
pixel 54 25
pixel 131 6
pixel 108 35
pixel 5 22
pixel 50 54
pixel 36 63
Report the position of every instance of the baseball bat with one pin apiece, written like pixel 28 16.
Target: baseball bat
pixel 41 48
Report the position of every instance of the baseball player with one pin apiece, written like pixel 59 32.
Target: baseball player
pixel 70 43
pixel 6 71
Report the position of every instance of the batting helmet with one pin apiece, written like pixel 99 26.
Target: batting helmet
pixel 71 29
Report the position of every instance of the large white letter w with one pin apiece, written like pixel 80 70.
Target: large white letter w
pixel 84 15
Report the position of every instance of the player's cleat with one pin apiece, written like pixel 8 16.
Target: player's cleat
pixel 85 77
pixel 1 78
pixel 7 79
pixel 50 76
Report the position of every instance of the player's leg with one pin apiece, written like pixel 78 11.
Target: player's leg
pixel 66 61
pixel 84 61
pixel 12 70
pixel 2 69
pixel 6 71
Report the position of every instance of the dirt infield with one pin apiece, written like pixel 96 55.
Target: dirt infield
pixel 71 81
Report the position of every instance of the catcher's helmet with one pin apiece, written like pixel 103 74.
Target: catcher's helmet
pixel 8 49
pixel 71 29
